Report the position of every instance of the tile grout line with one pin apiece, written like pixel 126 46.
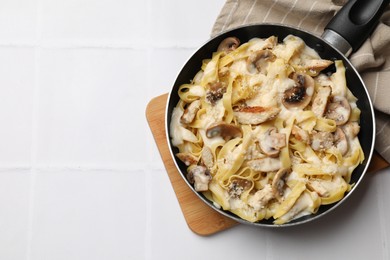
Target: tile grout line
pixel 37 167
pixel 149 214
pixel 148 178
pixel 34 129
pixel 32 171
pixel 120 45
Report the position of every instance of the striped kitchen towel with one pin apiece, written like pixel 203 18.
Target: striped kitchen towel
pixel 372 60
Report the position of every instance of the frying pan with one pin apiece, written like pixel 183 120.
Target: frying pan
pixel 344 34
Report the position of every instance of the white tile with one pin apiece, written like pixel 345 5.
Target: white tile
pixel 17 67
pixel 14 213
pixel 90 20
pixel 189 25
pixel 163 200
pixel 168 221
pixel 153 154
pixel 165 64
pixel 92 108
pixel 359 223
pixel 88 215
pixel 18 20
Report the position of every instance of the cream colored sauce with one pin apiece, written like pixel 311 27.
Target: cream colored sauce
pixel 197 90
pixel 267 89
pixel 302 207
pixel 178 132
pixel 257 44
pixel 213 115
pixel 211 142
pixel 239 67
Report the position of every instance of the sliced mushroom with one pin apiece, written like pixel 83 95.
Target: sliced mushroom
pixel 321 140
pixel 190 112
pixel 187 158
pixel 266 164
pixel 341 141
pixel 238 186
pixel 258 61
pixel 279 181
pixel 325 140
pixel 207 157
pixel 215 92
pixel 261 198
pixel 229 44
pixel 300 134
pixel 339 110
pixel 351 129
pixel 255 115
pixel 226 131
pixel 300 95
pixel 320 100
pixel 200 177
pixel 272 141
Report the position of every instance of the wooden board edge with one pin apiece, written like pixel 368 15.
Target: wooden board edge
pixel 194 222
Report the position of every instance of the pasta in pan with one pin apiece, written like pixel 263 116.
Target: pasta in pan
pixel 265 132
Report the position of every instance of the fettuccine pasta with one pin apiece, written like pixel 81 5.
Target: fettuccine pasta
pixel 268 129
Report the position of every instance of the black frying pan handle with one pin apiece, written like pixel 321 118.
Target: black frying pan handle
pixel 355 22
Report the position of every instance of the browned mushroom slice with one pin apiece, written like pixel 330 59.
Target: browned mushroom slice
pixel 321 140
pixel 207 157
pixel 279 181
pixel 341 141
pixel 320 100
pixel 255 115
pixel 300 134
pixel 266 164
pixel 226 131
pixel 258 61
pixel 299 96
pixel 272 141
pixel 229 44
pixel 261 198
pixel 215 92
pixel 351 129
pixel 190 112
pixel 238 186
pixel 339 110
pixel 187 158
pixel 200 177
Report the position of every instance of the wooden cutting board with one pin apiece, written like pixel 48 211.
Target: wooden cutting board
pixel 201 219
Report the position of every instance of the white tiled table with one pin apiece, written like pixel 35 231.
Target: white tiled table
pixel 80 175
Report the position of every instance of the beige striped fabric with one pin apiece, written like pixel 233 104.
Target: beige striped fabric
pixel 372 60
